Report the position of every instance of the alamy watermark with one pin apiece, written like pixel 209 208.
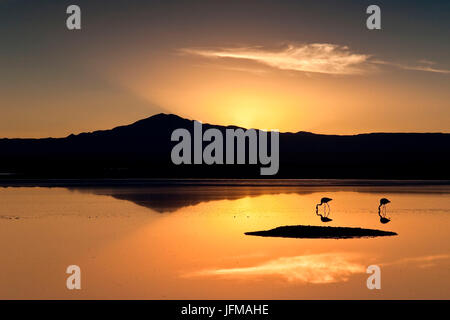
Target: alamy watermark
pixel 373 22
pixel 73 282
pixel 214 151
pixel 374 280
pixel 73 21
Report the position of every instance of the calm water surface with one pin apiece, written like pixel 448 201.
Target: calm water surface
pixel 184 242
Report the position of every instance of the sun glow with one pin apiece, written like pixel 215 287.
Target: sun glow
pixel 251 111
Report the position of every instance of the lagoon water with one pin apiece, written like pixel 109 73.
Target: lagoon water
pixel 188 242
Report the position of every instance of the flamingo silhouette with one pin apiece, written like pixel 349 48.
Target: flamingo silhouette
pixel 382 207
pixel 324 217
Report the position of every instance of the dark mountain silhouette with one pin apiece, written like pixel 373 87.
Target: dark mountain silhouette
pixel 143 149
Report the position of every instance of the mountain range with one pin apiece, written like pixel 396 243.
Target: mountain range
pixel 142 150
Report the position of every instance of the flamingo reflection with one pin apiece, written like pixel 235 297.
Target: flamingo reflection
pixel 324 217
pixel 382 210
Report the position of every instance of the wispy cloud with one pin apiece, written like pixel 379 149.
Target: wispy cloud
pixel 421 65
pixel 323 58
pixel 316 57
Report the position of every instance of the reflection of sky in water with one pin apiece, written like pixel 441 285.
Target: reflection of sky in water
pixel 316 268
pixel 421 262
pixel 190 243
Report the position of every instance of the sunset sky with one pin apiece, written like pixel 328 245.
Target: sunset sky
pixel 287 65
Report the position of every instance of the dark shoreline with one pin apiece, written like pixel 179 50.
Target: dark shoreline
pixel 8 182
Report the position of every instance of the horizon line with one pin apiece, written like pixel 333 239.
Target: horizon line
pixel 226 126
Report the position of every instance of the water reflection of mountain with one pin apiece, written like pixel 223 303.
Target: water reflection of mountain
pixel 169 198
